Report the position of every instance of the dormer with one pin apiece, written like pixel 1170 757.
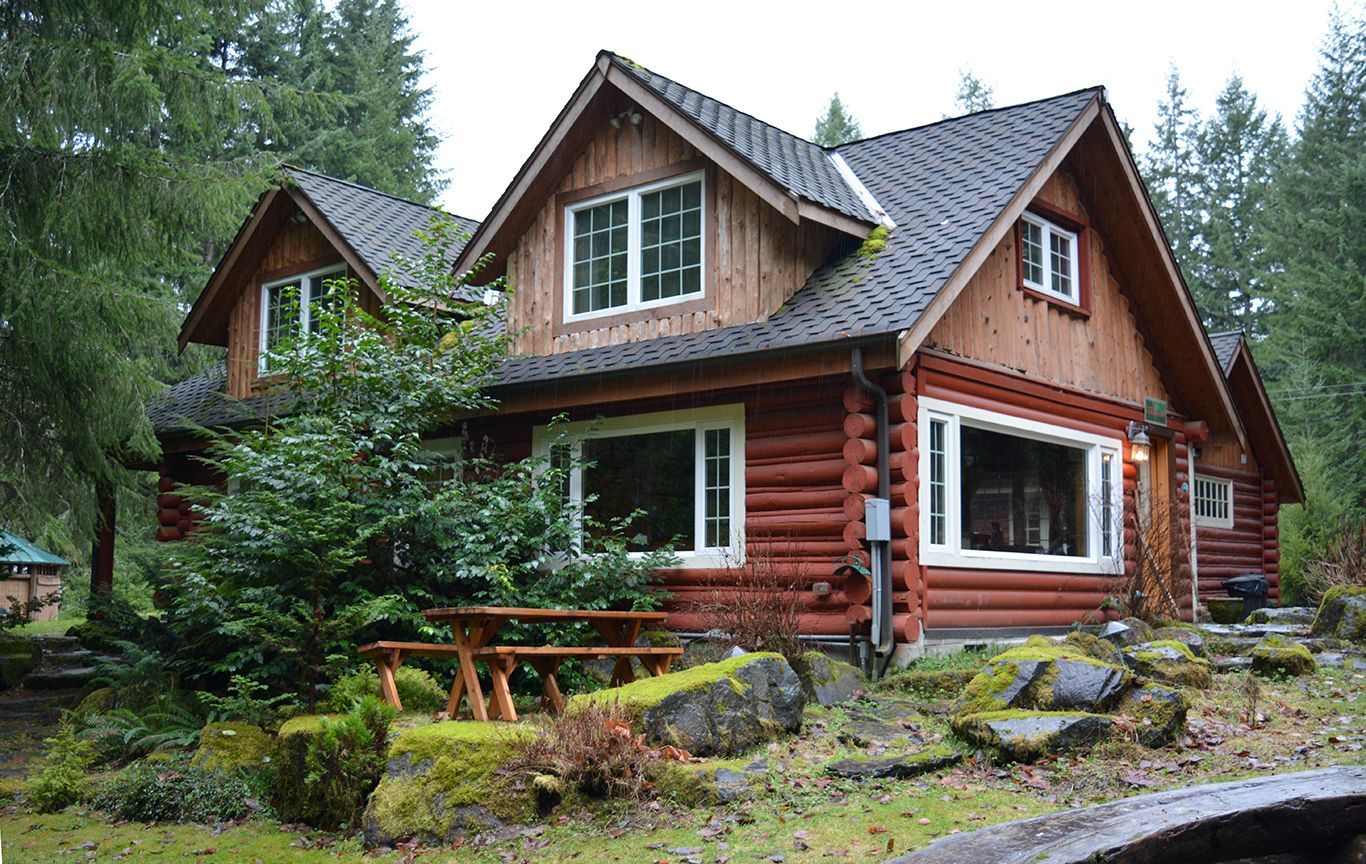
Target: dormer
pixel 304 232
pixel 650 210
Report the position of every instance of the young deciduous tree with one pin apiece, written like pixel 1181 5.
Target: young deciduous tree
pixel 837 126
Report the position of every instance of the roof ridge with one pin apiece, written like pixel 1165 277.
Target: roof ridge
pixel 1095 88
pixel 1237 332
pixel 353 184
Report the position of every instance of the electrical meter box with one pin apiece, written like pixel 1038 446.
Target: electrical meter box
pixel 877 517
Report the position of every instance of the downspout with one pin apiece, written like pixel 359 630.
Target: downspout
pixel 880 537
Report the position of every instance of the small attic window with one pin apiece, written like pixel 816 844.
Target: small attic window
pixel 288 306
pixel 1051 258
pixel 635 249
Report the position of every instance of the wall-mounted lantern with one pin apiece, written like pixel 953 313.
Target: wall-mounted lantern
pixel 1140 446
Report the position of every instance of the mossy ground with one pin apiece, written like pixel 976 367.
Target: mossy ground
pixel 47 628
pixel 795 810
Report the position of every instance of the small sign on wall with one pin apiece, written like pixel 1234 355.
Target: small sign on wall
pixel 1155 411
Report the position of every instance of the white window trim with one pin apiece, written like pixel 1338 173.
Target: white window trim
pixel 1211 521
pixel 951 553
pixel 730 417
pixel 1049 229
pixel 632 198
pixel 305 281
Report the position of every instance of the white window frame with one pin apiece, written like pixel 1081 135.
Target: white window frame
pixel 305 281
pixel 1048 231
pixel 1225 488
pixel 731 417
pixel 951 554
pixel 633 218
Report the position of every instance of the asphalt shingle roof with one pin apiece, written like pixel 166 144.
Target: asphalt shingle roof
pixel 1226 347
pixel 202 400
pixel 942 184
pixel 374 224
pixel 797 164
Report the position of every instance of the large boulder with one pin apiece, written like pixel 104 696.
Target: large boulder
pixel 1187 635
pixel 1024 736
pixel 1170 661
pixel 900 765
pixel 443 780
pixel 1040 675
pixel 1298 615
pixel 18 657
pixel 720 708
pixel 1342 614
pixel 228 746
pixel 1158 713
pixel 1130 631
pixel 1276 656
pixel 826 681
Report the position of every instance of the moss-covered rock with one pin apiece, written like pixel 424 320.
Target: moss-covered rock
pixel 1342 614
pixel 1129 631
pixel 1188 636
pixel 941 683
pixel 1158 713
pixel 444 780
pixel 1276 656
pixel 230 745
pixel 826 681
pixel 97 700
pixel 721 708
pixel 18 657
pixel 293 795
pixel 1024 736
pixel 1094 647
pixel 1041 675
pixel 1225 610
pixel 1170 661
pixel 904 764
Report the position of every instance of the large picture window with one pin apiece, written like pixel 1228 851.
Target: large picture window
pixel 288 306
pixel 683 469
pixel 635 249
pixel 1001 492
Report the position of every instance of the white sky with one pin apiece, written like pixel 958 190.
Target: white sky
pixel 502 70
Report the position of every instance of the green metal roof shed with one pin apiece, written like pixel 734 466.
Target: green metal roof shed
pixel 16 550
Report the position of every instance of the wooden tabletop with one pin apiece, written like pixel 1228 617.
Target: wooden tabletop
pixel 453 613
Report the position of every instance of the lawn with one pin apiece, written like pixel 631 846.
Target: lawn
pixel 795 812
pixel 47 628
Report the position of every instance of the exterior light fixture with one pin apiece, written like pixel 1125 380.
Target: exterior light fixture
pixel 1140 446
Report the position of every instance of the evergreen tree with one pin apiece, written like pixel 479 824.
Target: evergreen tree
pixel 837 126
pixel 1316 351
pixel 973 94
pixel 1172 172
pixel 1238 149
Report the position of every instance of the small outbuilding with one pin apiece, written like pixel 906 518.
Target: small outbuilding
pixel 28 572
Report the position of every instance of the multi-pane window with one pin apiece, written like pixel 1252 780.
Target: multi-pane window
pixel 999 491
pixel 637 248
pixel 290 306
pixel 679 474
pixel 1048 258
pixel 1213 502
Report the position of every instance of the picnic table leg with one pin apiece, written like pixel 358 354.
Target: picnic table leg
pixel 620 636
pixel 468 674
pixel 387 665
pixel 500 702
pixel 550 685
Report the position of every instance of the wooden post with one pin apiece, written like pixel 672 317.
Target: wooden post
pixel 102 554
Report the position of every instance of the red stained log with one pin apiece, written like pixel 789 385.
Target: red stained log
pixel 796 473
pixel 165 483
pixel 803 525
pixel 1008 617
pixel 168 533
pixel 168 516
pixel 793 499
pixel 945 578
pixel 858 478
pixel 979 599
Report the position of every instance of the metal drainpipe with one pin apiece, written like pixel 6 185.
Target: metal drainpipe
pixel 884 641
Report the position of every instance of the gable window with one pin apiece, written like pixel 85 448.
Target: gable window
pixel 1049 258
pixel 288 306
pixel 636 248
pixel 1213 502
pixel 683 469
pixel 1005 493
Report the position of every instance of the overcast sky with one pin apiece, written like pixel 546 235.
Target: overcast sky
pixel 502 70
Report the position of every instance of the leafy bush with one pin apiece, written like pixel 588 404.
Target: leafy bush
pixel 417 690
pixel 62 778
pixel 345 761
pixel 244 703
pixel 176 790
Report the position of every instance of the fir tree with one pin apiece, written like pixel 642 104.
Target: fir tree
pixel 1238 149
pixel 837 126
pixel 973 94
pixel 1172 172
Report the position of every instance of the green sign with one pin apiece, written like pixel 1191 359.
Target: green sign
pixel 1155 411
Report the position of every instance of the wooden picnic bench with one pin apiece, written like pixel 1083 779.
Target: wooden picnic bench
pixel 474 629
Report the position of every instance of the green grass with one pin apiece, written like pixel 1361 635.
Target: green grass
pixel 47 628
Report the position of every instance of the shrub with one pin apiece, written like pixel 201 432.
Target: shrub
pixel 1342 562
pixel 244 703
pixel 417 690
pixel 757 604
pixel 590 749
pixel 122 733
pixel 329 765
pixel 62 776
pixel 175 790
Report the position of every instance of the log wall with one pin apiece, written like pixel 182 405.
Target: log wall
pixel 755 257
pixel 1252 545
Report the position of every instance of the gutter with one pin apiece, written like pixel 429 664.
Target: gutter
pixel 878 521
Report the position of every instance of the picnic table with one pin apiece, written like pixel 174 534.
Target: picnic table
pixel 475 627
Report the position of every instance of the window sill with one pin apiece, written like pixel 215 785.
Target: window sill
pixel 1021 563
pixel 1064 306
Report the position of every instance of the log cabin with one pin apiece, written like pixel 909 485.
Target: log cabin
pixel 961 353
